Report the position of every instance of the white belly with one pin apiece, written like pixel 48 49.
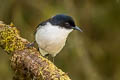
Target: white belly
pixel 51 39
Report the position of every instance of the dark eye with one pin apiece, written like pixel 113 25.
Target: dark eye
pixel 67 24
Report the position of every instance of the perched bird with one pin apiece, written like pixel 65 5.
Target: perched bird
pixel 51 34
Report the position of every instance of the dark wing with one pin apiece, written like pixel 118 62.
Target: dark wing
pixel 41 25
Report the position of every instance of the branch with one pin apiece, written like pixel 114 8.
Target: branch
pixel 27 63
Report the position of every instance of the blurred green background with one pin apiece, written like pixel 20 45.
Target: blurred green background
pixel 91 55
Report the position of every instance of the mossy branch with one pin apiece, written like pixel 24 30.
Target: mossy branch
pixel 27 63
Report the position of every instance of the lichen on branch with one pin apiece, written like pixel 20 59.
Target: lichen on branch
pixel 9 39
pixel 26 62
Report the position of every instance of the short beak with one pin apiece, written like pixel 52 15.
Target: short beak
pixel 77 28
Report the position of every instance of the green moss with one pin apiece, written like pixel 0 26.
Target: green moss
pixel 10 40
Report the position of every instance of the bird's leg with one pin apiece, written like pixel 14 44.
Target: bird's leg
pixel 30 44
pixel 37 49
pixel 47 56
pixel 53 58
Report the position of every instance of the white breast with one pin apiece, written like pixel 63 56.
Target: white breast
pixel 51 38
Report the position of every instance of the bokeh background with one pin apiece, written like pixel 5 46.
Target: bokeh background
pixel 91 55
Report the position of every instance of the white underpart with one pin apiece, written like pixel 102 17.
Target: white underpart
pixel 51 39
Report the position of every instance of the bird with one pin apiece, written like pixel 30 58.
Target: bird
pixel 51 34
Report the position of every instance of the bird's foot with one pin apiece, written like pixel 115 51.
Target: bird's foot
pixel 50 58
pixel 47 56
pixel 30 44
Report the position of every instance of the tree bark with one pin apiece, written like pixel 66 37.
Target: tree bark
pixel 27 63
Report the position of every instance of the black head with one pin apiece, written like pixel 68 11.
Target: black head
pixel 63 21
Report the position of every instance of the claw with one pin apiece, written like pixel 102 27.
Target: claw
pixel 30 44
